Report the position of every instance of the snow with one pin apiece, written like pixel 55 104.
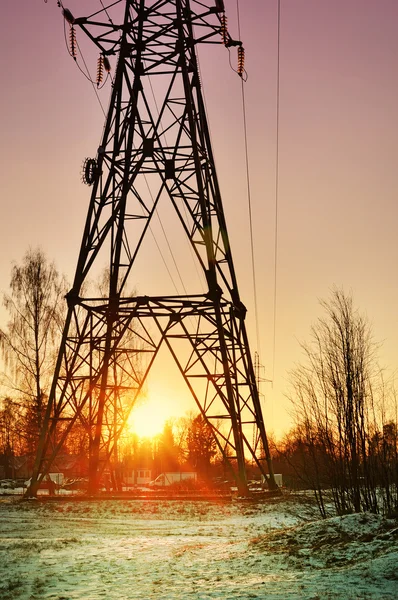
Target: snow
pixel 128 549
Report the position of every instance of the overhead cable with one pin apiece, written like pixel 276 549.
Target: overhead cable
pixel 276 189
pixel 249 199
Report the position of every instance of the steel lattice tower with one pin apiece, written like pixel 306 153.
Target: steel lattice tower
pixel 153 153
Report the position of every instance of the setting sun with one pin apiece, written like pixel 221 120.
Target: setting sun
pixel 147 419
pixel 166 397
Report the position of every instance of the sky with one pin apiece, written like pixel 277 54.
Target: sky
pixel 337 204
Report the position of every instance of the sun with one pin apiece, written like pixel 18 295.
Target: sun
pixel 165 397
pixel 147 419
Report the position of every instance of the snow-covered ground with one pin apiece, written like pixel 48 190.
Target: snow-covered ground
pixel 131 549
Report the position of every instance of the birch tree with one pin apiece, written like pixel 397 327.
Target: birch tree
pixel 28 343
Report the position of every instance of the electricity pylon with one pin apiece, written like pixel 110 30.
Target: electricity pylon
pixel 154 150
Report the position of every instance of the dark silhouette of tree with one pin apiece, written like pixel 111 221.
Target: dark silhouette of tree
pixel 166 452
pixel 144 454
pixel 28 343
pixel 12 439
pixel 201 445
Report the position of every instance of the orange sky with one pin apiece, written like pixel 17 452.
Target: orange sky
pixel 338 155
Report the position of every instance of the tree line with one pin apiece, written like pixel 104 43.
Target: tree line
pixel 186 443
pixel 344 442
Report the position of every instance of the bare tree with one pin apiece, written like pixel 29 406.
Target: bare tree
pixel 28 342
pixel 333 393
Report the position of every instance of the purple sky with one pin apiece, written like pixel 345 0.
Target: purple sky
pixel 338 203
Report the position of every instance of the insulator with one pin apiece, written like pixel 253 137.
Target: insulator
pixel 90 171
pixel 72 42
pixel 224 29
pixel 107 64
pixel 241 60
pixel 68 15
pixel 100 70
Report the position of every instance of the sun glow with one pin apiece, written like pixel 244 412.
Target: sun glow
pixel 147 419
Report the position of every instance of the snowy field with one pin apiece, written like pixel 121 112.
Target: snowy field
pixel 132 549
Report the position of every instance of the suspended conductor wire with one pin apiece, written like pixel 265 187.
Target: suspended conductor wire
pixel 106 12
pixel 276 189
pixel 249 200
pixel 90 79
pixel 168 245
pixel 250 220
pixel 156 242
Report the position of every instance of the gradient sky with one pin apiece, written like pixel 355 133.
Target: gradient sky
pixel 338 170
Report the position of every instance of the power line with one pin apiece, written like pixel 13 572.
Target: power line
pixel 167 242
pixel 106 12
pixel 276 189
pixel 91 81
pixel 249 199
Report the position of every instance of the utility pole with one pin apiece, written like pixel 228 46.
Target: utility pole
pixel 154 153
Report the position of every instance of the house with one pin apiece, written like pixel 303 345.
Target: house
pixel 136 476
